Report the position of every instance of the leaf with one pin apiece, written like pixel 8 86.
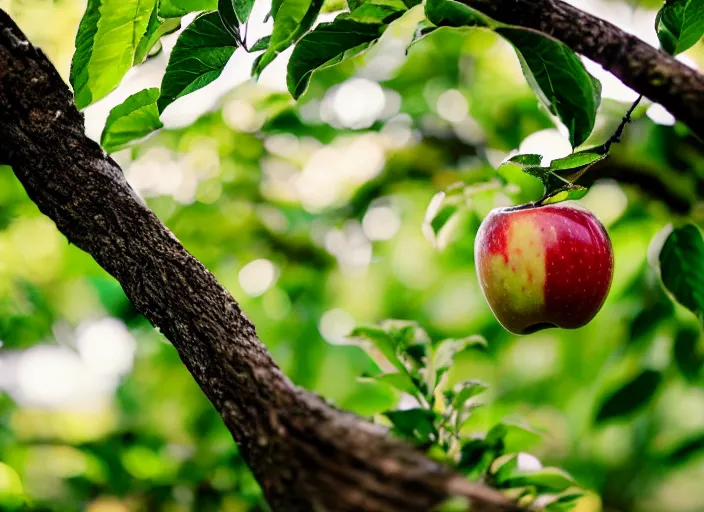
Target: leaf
pixel 326 45
pixel 106 45
pixel 476 456
pixel 415 424
pixel 261 44
pixel 243 8
pixel 558 78
pixel 680 24
pixel 134 118
pixel 447 349
pixel 550 480
pixel 630 397
pixel 400 381
pixel 682 267
pixel 571 167
pixel 688 358
pixel 566 501
pixel 229 19
pixel 292 19
pixel 686 450
pixel 200 54
pixel 464 391
pixel 177 8
pixel 450 13
pixel 380 340
pixel 156 29
pixel 571 193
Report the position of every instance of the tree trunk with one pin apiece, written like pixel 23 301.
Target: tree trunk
pixel 307 455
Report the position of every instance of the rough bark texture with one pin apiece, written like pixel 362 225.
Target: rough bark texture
pixel 652 73
pixel 307 455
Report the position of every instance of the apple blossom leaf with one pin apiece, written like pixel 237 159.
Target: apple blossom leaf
pixel 687 354
pixel 682 267
pixel 133 119
pixel 630 397
pixel 106 43
pixel 680 24
pixel 200 55
pixel 400 381
pixel 558 78
pixel 418 425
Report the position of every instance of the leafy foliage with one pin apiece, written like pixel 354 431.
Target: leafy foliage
pixel 680 24
pixel 106 46
pixel 198 58
pixel 681 267
pixel 133 119
pixel 559 80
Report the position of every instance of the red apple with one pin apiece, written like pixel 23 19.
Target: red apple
pixel 543 266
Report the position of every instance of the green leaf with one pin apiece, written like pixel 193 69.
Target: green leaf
pixel 380 340
pixel 226 9
pixel 450 13
pixel 688 359
pixel 571 167
pixel 200 54
pixel 261 44
pixel 243 8
pixel 571 193
pixel 400 381
pixel 680 24
pixel 134 118
pixel 682 267
pixel 447 349
pixel 292 19
pixel 177 8
pixel 326 45
pixel 685 451
pixel 156 29
pixel 106 45
pixel 558 78
pixel 630 397
pixel 415 424
pixel 463 392
pixel 545 480
pixel 564 502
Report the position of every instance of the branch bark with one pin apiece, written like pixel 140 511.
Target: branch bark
pixel 307 455
pixel 646 70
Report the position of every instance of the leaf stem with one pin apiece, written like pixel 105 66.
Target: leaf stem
pixel 616 137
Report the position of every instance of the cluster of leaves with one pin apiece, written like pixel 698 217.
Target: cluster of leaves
pixel 419 368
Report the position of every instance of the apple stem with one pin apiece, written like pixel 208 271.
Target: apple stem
pixel 616 137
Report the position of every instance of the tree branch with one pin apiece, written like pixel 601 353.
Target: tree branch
pixel 652 73
pixel 307 455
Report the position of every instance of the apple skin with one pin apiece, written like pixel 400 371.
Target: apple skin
pixel 543 266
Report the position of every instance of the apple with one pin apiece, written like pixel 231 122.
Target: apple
pixel 543 266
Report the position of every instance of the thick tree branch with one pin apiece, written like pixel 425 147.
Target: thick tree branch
pixel 307 455
pixel 652 73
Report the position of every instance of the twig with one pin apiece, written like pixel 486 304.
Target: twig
pixel 616 137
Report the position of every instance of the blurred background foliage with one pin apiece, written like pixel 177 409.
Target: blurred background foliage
pixel 312 216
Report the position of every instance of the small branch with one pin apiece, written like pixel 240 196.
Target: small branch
pixel 652 73
pixel 306 454
pixel 616 137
